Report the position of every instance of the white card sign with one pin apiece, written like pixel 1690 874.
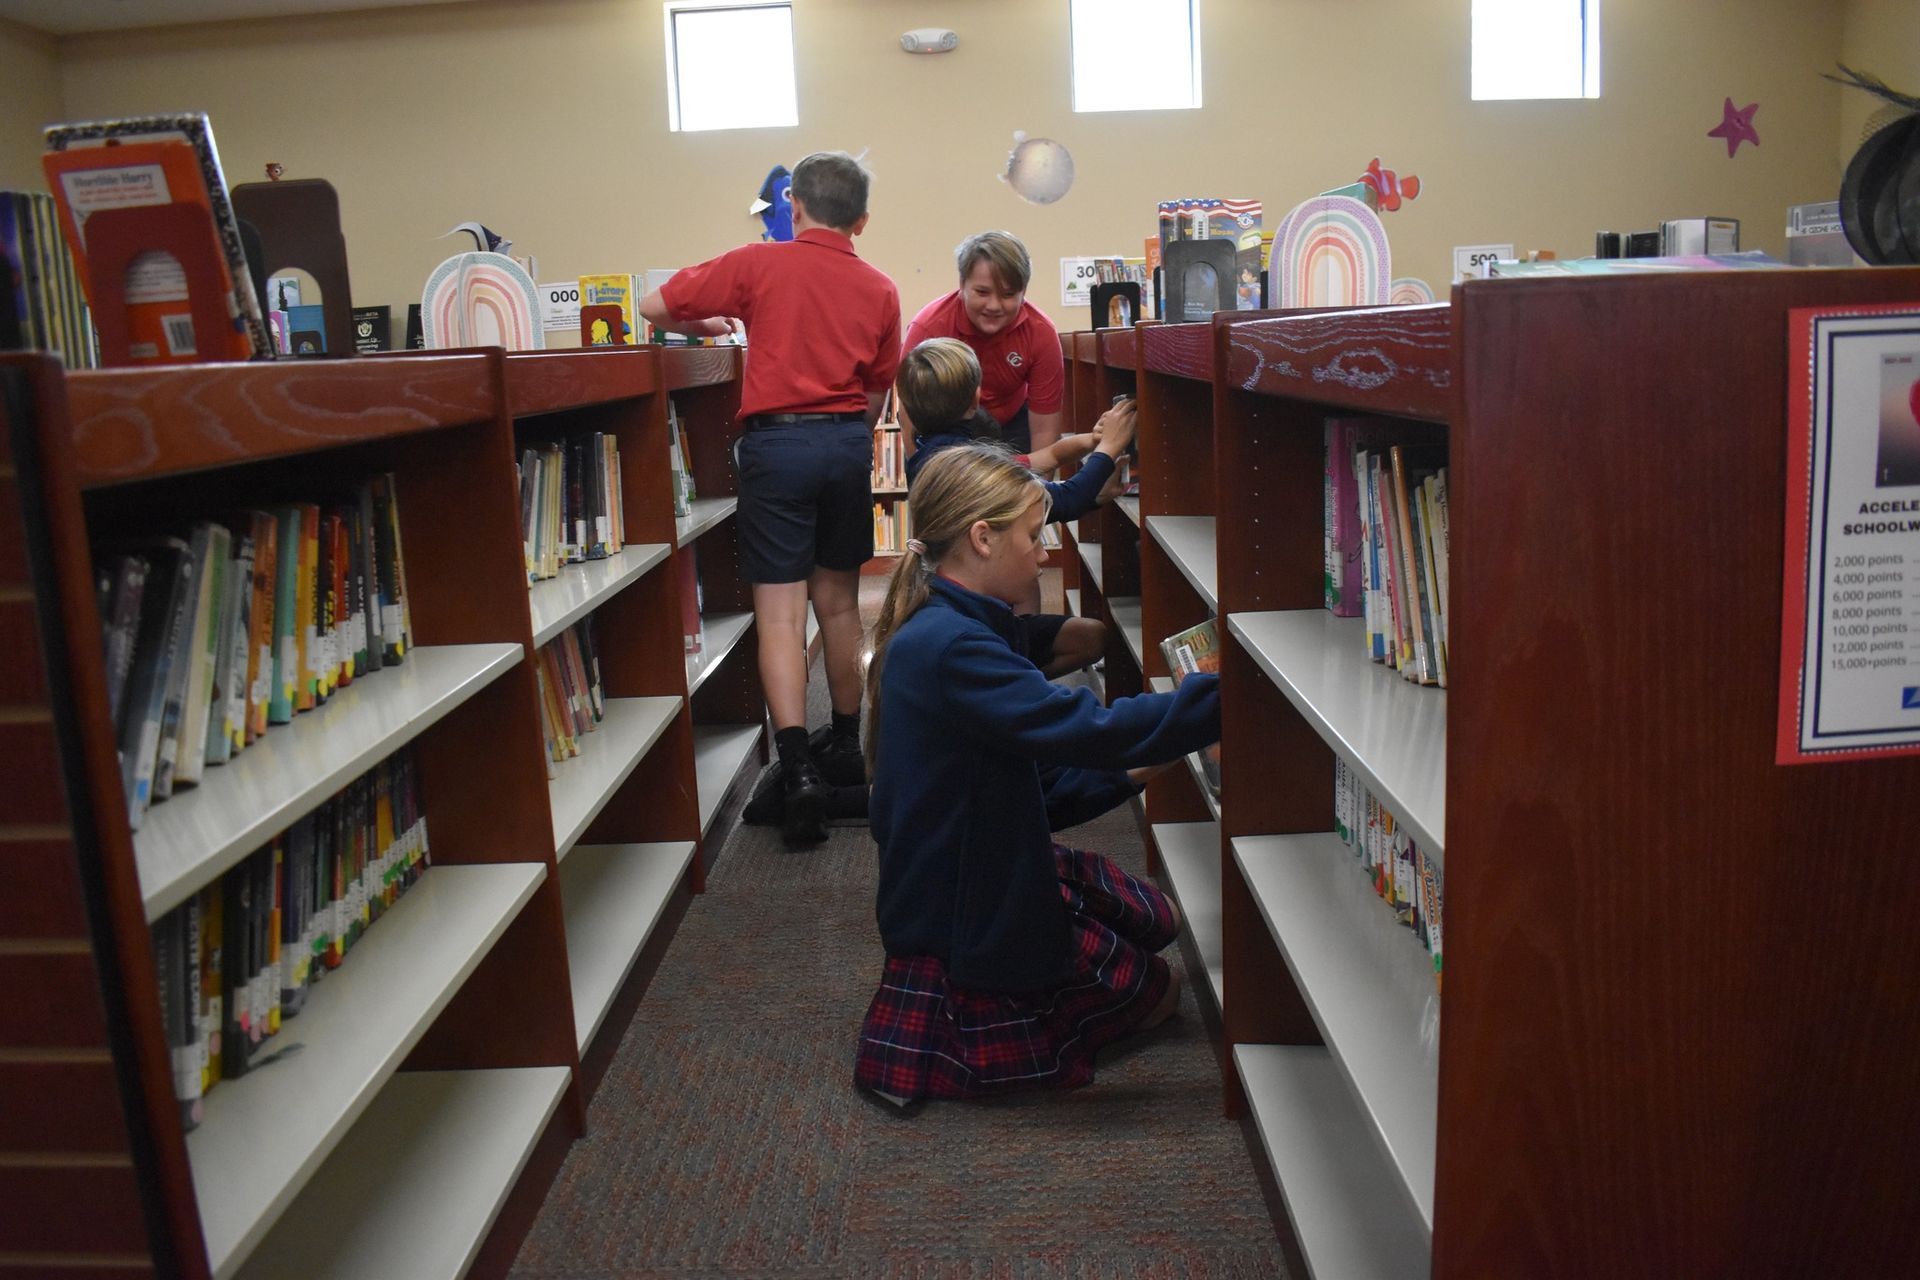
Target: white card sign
pixel 1077 278
pixel 560 305
pixel 1467 259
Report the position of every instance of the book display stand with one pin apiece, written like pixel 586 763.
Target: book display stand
pixel 298 222
pixel 1668 1009
pixel 441 1071
pixel 115 237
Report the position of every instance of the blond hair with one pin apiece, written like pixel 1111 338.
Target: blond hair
pixel 955 490
pixel 936 384
pixel 1006 258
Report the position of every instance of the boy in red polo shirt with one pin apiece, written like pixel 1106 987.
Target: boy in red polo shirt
pixel 824 341
pixel 1022 371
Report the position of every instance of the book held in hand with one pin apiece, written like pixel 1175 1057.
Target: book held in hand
pixel 1197 649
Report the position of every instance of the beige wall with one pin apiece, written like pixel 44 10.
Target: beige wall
pixel 30 98
pixel 547 122
pixel 1882 38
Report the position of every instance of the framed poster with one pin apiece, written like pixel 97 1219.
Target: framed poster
pixel 1850 613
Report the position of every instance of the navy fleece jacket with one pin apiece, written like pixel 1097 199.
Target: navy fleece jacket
pixel 1071 498
pixel 960 810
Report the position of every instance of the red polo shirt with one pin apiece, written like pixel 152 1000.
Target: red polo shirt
pixel 823 327
pixel 1019 365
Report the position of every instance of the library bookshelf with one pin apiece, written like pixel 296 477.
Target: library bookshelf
pixel 445 1067
pixel 1670 1015
pixel 1105 543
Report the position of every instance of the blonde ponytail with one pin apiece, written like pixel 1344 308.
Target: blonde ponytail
pixel 956 488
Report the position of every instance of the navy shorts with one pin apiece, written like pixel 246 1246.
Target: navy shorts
pixel 1040 631
pixel 806 499
pixel 1017 432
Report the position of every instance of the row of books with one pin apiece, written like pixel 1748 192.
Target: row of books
pixel 1386 542
pixel 211 639
pixel 1391 859
pixel 572 700
pixel 892 526
pixel 571 506
pixel 889 457
pixel 239 957
pixel 45 307
pixel 1197 649
pixel 680 460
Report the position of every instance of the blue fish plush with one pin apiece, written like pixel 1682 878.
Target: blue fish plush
pixel 775 204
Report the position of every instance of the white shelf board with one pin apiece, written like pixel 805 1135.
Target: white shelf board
pixel 1188 542
pixel 414 1188
pixel 607 757
pixel 1330 1175
pixel 266 1133
pixel 1126 616
pixel 1073 602
pixel 1190 851
pixel 558 603
pixel 707 512
pixel 184 842
pixel 719 633
pixel 1092 562
pixel 1369 985
pixel 1393 733
pixel 1164 684
pixel 614 894
pixel 1130 507
pixel 718 752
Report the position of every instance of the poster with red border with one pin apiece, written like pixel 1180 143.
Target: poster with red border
pixel 1850 599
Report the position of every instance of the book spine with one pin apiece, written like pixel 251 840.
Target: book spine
pixel 1413 658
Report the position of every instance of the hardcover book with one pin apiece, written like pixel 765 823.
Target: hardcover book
pixel 1197 649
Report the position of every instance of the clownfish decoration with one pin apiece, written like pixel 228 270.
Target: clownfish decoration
pixel 1389 187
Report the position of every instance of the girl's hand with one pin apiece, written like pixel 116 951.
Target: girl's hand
pixel 1116 427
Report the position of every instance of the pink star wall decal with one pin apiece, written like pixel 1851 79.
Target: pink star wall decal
pixel 1736 126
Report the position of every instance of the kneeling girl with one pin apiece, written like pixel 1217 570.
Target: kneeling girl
pixel 1010 960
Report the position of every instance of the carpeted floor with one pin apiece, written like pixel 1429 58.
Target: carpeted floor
pixel 727 1139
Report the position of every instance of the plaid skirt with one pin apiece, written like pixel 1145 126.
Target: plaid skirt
pixel 926 1038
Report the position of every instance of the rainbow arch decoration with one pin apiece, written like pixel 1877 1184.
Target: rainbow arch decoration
pixel 481 300
pixel 1409 291
pixel 1330 251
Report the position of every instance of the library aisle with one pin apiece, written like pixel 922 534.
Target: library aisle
pixel 727 1138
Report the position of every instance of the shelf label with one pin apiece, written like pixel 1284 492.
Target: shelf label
pixel 1468 258
pixel 560 305
pixel 1077 278
pixel 1850 621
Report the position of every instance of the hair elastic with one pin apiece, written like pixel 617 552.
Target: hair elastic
pixel 916 546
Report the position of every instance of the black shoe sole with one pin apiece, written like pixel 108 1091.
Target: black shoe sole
pixel 803 817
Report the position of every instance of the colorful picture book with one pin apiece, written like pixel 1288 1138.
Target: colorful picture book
pixel 149 161
pixel 1197 649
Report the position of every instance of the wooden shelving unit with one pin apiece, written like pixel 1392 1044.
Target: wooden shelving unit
pixel 1103 546
pixel 1659 945
pixel 445 1067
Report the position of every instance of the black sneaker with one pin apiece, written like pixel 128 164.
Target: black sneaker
pixel 841 762
pixel 803 817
